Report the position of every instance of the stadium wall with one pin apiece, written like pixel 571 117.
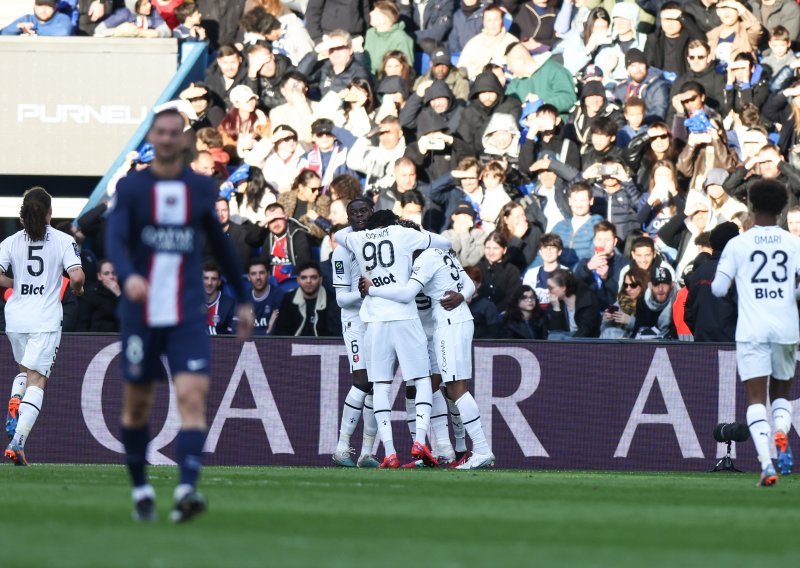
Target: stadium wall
pixel 544 405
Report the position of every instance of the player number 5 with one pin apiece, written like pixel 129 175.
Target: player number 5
pixel 37 259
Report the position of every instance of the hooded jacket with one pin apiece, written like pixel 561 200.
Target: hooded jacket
pixel 476 116
pixel 435 163
pixel 506 122
pixel 417 107
pixel 652 314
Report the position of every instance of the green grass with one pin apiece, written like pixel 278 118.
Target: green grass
pixel 62 516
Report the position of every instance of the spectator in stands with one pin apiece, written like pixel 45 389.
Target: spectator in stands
pixel 431 20
pixel 524 318
pixel 580 49
pixel 738 33
pixel 278 156
pixel 616 195
pixel 208 113
pixel 667 47
pixel 681 231
pixel 265 74
pixel 250 195
pixel 328 156
pixel 723 206
pixel 546 136
pixel 90 13
pixel 779 57
pixel 244 124
pixel 292 38
pixel 550 249
pixel 434 100
pixel 646 150
pixel 467 23
pixel 577 231
pixel 467 239
pixel 395 64
pixel 221 308
pixel 97 308
pixel 703 13
pixel 44 21
pixel 203 164
pixel 227 72
pixel 501 141
pixel 495 194
pixel 298 111
pixel 284 242
pixel 792 221
pixel 500 279
pixel 601 272
pixel 645 257
pixel 486 318
pixel 308 311
pixel 594 107
pixel 326 17
pixel 522 235
pixel 488 46
pixel 634 111
pixel 405 175
pixel 540 77
pixel 646 84
pixel 617 316
pixel 653 316
pixel 235 232
pixel 769 163
pixel 221 20
pixel 747 84
pixel 442 69
pixel 386 33
pixel 341 67
pixel 601 144
pixel 435 150
pixel 486 98
pixel 550 193
pixel 210 140
pixel 375 159
pixel 458 185
pixel 266 299
pixel 574 310
pixel 625 36
pixel 189 17
pixel 306 204
pixel 701 69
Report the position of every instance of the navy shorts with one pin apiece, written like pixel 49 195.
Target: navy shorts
pixel 186 347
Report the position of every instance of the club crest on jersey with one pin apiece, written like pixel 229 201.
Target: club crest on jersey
pixel 339 267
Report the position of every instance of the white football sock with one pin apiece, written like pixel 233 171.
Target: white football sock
pixel 29 410
pixel 440 439
pixel 370 427
pixel 472 422
pixel 423 405
pixel 19 384
pixel 782 415
pixel 760 432
pixel 351 412
pixel 383 415
pixel 411 418
pixel 458 426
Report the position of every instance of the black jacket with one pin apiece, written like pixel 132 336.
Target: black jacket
pixel 221 20
pixel 417 106
pixel 326 80
pixel 298 248
pixel 608 289
pixel 705 18
pixel 268 88
pixel 655 49
pixel 324 16
pixel 528 23
pixel 566 150
pixel 476 116
pixel 534 328
pixel 587 314
pixel 292 317
pixel 486 318
pixel 521 252
pixel 97 310
pixel 713 83
pixel 237 234
pixel 216 83
pixel 710 318
pixel 435 163
pixel 499 282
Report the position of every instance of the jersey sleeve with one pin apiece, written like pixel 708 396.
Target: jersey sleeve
pixel 5 255
pixel 726 271
pixel 341 267
pixel 402 293
pixel 70 254
pixel 118 230
pixel 425 266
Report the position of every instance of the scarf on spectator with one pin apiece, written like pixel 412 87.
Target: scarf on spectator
pixel 338 158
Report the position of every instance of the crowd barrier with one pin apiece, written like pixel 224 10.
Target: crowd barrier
pixel 276 401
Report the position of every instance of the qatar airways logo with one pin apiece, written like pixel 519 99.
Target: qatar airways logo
pixel 169 239
pixel 67 113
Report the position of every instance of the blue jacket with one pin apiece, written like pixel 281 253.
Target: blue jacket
pixel 59 25
pixel 577 246
pixel 436 20
pixel 465 27
pixel 654 91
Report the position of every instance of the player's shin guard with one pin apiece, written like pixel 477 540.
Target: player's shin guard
pixel 383 415
pixel 189 454
pixel 19 384
pixel 458 426
pixel 29 410
pixel 370 426
pixel 423 404
pixel 440 438
pixel 760 432
pixel 350 415
pixel 782 415
pixel 472 422
pixel 135 441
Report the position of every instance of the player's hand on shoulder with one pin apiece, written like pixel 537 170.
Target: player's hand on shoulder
pixel 136 288
pixel 451 300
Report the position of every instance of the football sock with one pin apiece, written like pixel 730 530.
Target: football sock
pixel 760 432
pixel 458 426
pixel 19 384
pixel 383 415
pixel 29 410
pixel 472 422
pixel 441 436
pixel 782 415
pixel 411 417
pixel 189 454
pixel 143 492
pixel 423 405
pixel 370 427
pixel 350 415
pixel 135 442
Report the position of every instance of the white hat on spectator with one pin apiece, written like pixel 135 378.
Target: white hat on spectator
pixel 241 94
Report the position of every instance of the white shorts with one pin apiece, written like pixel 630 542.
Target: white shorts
pixel 778 360
pixel 404 339
pixel 35 351
pixel 433 361
pixel 353 334
pixel 454 350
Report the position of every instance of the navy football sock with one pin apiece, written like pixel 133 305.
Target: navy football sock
pixel 189 451
pixel 135 441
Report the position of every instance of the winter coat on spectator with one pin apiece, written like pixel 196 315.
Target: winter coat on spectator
pixel 435 163
pixel 784 13
pixel 60 25
pixel 621 207
pixel 551 82
pixel 559 146
pixel 97 310
pixel 652 320
pixel 499 281
pixel 654 90
pixel 710 318
pixel 506 123
pixel 605 289
pixel 417 107
pixel 486 318
pixel 324 16
pixel 455 79
pixel 522 250
pixel 431 19
pixel 237 235
pixel 446 193
pixel 375 162
pixel 587 315
pixel 468 246
pixel 329 81
pixel 476 116
pixel 216 83
pixel 483 49
pixel 712 82
pixel 534 328
pixel 656 50
pixel 736 96
pixel 293 315
pixel 322 206
pixel 577 244
pixel 580 123
pixel 738 184
pixel 530 24
pixel 268 88
pixel 467 23
pixel 705 17
pixel 692 161
pixel 560 201
pixel 221 19
pixel 377 43
pixel 297 248
pixel 746 38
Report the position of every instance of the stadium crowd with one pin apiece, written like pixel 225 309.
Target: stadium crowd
pixel 587 159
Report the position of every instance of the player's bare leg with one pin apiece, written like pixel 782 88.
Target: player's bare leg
pixel 29 407
pixel 482 455
pixel 782 422
pixel 136 404
pixel 17 392
pixel 759 427
pixel 191 390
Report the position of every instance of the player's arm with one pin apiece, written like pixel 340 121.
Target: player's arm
pixel 341 236
pixel 401 293
pixel 726 271
pixel 438 241
pixel 76 280
pixel 5 281
pixel 346 298
pixel 118 233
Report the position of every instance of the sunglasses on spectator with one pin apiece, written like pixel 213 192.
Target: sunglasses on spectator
pixel 659 137
pixel 194 99
pixel 527 297
pixel 314 187
pixel 548 132
pixel 631 285
pixel 694 98
pixel 338 48
pixel 696 57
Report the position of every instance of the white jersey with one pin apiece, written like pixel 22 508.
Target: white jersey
pixel 345 276
pixel 439 272
pixel 384 256
pixel 763 262
pixel 35 305
pixel 425 312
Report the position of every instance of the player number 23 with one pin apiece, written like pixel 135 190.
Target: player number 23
pixel 382 253
pixel 780 258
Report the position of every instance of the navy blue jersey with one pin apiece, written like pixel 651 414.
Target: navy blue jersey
pixel 264 308
pixel 157 229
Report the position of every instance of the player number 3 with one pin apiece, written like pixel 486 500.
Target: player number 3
pixel 761 257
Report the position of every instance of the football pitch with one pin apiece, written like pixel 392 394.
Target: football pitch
pixel 56 515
